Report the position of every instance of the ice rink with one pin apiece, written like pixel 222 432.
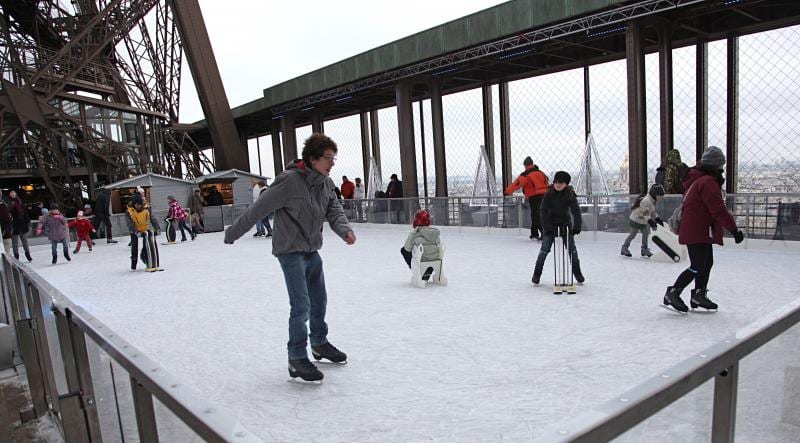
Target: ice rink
pixel 489 357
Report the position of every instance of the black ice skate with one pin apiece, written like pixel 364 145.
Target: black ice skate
pixel 672 301
pixel 625 251
pixel 28 256
pixel 55 259
pixel 646 252
pixel 700 300
pixel 304 369
pixel 328 352
pixel 537 276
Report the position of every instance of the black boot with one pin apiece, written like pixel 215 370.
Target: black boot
pixel 133 264
pixel 576 271
pixel 537 272
pixel 55 258
pixel 28 256
pixel 16 255
pixel 673 298
pixel 66 255
pixel 304 369
pixel 329 352
pixel 700 299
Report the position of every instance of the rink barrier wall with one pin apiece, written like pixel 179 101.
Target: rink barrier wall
pixel 719 362
pixel 94 384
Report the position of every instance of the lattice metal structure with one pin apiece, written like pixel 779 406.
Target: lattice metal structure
pixel 90 94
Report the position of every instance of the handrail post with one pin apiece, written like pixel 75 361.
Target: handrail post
pixel 723 427
pixel 145 413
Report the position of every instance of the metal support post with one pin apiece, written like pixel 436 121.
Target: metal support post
pixel 666 103
pixel 258 153
pixel 505 136
pixel 587 104
pixel 437 124
pixel 488 124
pixel 723 427
pixel 26 335
pixel 375 133
pixel 365 148
pixel 317 124
pixel 732 133
pixel 422 150
pixel 277 154
pixel 289 138
pixel 42 346
pixel 637 107
pixel 83 370
pixel 145 413
pixel 405 129
pixel 701 99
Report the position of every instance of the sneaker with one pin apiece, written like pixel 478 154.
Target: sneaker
pixel 329 352
pixel 700 299
pixel 269 234
pixel 304 369
pixel 183 239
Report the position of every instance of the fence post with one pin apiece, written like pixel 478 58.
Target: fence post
pixel 723 427
pixel 42 346
pixel 80 357
pixel 145 413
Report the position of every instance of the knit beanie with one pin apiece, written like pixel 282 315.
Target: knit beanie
pixel 656 190
pixel 137 199
pixel 54 206
pixel 528 161
pixel 562 177
pixel 422 218
pixel 713 156
pixel 171 197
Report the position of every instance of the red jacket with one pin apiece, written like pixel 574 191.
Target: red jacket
pixel 533 182
pixel 703 212
pixel 83 226
pixel 347 189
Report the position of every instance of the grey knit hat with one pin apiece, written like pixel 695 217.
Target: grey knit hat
pixel 713 156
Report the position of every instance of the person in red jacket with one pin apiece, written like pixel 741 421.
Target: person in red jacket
pixel 83 227
pixel 348 189
pixel 703 215
pixel 534 184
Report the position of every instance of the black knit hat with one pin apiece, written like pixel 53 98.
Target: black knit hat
pixel 528 161
pixel 137 199
pixel 562 177
pixel 656 190
pixel 53 206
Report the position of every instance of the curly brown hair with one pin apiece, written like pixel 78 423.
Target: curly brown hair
pixel 315 146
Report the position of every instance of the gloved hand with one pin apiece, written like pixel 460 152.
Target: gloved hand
pixel 738 236
pixel 659 221
pixel 576 231
pixel 652 224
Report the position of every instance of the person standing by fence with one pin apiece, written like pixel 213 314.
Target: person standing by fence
pixel 533 183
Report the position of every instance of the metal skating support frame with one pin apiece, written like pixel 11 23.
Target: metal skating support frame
pixel 563 280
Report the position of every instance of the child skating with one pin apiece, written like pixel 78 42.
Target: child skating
pixel 82 227
pixel 643 217
pixel 54 225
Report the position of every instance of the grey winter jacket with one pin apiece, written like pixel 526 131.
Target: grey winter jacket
pixel 646 211
pixel 302 200
pixel 55 226
pixel 428 237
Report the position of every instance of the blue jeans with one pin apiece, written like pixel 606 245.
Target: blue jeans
pixel 259 227
pixel 547 244
pixel 54 244
pixel 308 300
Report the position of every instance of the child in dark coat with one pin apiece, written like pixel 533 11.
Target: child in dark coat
pixel 560 213
pixel 83 227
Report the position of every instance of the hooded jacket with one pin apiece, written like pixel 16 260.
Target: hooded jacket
pixel 703 211
pixel 302 200
pixel 532 181
pixel 141 221
pixel 176 211
pixel 644 212
pixel 54 225
pixel 560 208
pixel 426 236
pixel 82 226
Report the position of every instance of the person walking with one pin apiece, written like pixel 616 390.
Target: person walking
pixel 533 183
pixel 302 199
pixel 102 215
pixel 395 190
pixel 703 216
pixel 258 187
pixel 358 194
pixel 196 210
pixel 20 225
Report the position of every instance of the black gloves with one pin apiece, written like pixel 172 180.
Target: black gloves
pixel 659 221
pixel 576 231
pixel 652 224
pixel 738 236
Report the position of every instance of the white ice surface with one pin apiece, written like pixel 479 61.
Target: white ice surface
pixel 489 357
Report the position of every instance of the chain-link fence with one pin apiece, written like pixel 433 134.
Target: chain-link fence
pixel 684 99
pixel 609 117
pixel 346 132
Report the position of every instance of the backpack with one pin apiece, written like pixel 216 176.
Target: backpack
pixel 674 221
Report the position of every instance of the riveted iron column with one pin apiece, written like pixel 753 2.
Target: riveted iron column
pixel 422 150
pixel 666 101
pixel 587 104
pixel 488 123
pixel 637 117
pixel 317 125
pixel 365 147
pixel 228 151
pixel 277 155
pixel 375 133
pixel 505 135
pixel 701 99
pixel 289 138
pixel 437 123
pixel 732 135
pixel 405 129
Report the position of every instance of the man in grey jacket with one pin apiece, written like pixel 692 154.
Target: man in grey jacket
pixel 302 198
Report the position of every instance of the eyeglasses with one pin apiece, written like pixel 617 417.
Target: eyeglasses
pixel 330 158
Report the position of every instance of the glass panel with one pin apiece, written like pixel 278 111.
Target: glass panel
pixel 113 397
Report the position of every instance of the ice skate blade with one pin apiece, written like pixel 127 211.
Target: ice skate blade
pixel 671 308
pixel 701 310
pixel 325 361
pixel 298 380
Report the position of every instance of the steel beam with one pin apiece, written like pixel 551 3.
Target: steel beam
pixel 701 98
pixel 405 129
pixel 228 150
pixel 637 107
pixel 317 124
pixel 422 150
pixel 723 425
pixel 666 101
pixel 365 147
pixel 732 127
pixel 145 412
pixel 505 134
pixel 437 124
pixel 488 123
pixel 587 104
pixel 375 132
pixel 289 136
pixel 277 155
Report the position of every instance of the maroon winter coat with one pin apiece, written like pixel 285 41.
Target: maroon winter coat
pixel 703 213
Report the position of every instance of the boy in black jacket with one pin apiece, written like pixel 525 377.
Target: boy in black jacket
pixel 559 211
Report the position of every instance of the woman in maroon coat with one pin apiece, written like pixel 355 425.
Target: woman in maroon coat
pixel 703 215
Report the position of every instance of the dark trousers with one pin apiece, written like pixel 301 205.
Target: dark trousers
pixel 701 258
pixel 105 221
pixel 535 203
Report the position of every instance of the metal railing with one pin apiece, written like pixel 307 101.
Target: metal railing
pixel 96 385
pixel 720 362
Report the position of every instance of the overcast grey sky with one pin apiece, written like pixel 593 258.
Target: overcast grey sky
pixel 259 43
